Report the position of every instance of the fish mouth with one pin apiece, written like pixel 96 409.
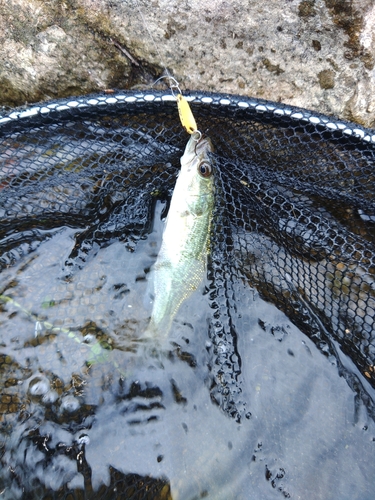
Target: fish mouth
pixel 199 145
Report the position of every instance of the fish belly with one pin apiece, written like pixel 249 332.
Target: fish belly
pixel 179 268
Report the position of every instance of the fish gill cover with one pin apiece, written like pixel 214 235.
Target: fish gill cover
pixel 293 223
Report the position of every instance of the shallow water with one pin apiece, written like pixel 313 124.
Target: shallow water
pixel 73 409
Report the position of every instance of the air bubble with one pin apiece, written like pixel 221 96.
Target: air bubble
pixel 83 439
pixel 69 404
pixel 50 397
pixel 38 386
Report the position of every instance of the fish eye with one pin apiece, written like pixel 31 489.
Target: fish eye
pixel 204 169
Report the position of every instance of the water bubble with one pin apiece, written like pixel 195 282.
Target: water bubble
pixel 69 404
pixel 38 386
pixel 50 397
pixel 83 439
pixel 221 347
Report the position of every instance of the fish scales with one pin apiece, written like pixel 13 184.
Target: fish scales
pixel 181 262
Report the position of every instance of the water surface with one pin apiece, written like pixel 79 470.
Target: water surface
pixel 86 405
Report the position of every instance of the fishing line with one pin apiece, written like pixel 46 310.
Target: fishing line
pixel 186 115
pixel 167 73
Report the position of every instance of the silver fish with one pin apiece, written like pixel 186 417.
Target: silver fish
pixel 181 262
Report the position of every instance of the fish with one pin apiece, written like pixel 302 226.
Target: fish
pixel 181 262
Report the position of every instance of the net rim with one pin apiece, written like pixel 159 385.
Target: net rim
pixel 132 100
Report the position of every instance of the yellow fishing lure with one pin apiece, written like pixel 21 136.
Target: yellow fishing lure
pixel 186 115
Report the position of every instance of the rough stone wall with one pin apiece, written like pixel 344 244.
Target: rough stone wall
pixel 317 54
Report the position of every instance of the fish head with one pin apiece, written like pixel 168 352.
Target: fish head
pixel 197 165
pixel 197 150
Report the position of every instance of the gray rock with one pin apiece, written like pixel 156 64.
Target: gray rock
pixel 316 54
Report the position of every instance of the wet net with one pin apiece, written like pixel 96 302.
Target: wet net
pixel 294 221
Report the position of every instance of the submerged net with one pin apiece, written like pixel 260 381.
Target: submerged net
pixel 294 217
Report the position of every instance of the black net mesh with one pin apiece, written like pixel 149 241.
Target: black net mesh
pixel 294 219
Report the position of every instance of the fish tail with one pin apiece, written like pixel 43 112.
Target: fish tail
pixel 158 330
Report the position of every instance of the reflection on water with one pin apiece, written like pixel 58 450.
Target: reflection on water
pixel 87 406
